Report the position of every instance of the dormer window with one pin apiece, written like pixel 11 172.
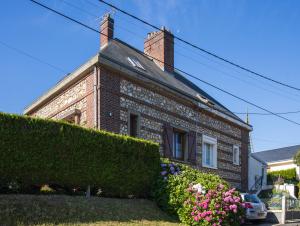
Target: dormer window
pixel 135 63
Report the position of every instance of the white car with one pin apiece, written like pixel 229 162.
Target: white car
pixel 255 208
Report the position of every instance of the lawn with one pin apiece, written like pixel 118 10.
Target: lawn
pixel 77 210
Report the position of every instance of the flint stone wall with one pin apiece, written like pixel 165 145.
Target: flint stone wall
pixel 155 109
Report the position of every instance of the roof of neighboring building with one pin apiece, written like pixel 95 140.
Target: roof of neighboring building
pixel 257 159
pixel 277 155
pixel 119 51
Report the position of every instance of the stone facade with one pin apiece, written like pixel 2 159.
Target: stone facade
pixel 118 96
pixel 77 97
pixel 155 109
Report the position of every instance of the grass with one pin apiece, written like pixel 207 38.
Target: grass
pixel 77 210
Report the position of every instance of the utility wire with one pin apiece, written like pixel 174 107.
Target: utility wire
pixel 203 50
pixel 31 56
pixel 188 57
pixel 259 113
pixel 186 73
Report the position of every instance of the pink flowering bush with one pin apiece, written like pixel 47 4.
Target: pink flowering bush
pixel 216 207
pixel 170 189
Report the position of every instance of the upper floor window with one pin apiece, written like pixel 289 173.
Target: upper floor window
pixel 134 62
pixel 236 154
pixel 133 125
pixel 209 152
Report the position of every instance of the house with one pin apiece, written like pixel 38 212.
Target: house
pixel 257 173
pixel 279 159
pixel 127 91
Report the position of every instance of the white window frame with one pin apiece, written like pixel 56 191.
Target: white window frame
pixel 236 155
pixel 212 141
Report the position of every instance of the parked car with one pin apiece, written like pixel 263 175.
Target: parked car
pixel 255 208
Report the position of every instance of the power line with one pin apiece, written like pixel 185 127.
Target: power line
pixel 31 56
pixel 259 113
pixel 186 73
pixel 203 50
pixel 188 57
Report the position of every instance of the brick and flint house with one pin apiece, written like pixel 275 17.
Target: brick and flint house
pixel 125 91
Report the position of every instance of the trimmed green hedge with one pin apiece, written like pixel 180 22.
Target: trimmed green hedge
pixel 289 175
pixel 37 151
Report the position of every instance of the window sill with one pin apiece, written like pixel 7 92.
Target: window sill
pixel 211 167
pixel 236 164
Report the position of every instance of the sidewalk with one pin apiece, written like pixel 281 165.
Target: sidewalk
pixel 295 222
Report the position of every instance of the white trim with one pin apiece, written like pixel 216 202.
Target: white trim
pixel 214 142
pixel 237 162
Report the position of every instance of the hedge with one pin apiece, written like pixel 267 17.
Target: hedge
pixel 289 175
pixel 38 151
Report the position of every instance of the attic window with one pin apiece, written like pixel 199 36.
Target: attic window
pixel 135 63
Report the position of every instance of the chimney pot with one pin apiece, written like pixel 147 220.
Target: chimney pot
pixel 160 46
pixel 106 29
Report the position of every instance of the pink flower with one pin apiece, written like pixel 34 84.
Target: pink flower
pixel 226 199
pixel 207 219
pixel 196 218
pixel 233 207
pixel 237 199
pixel 221 186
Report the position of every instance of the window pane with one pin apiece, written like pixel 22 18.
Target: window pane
pixel 178 145
pixel 208 154
pixel 234 155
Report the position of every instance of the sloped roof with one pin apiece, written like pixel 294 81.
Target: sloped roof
pixel 119 51
pixel 277 155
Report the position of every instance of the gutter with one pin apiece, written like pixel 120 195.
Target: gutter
pixel 95 88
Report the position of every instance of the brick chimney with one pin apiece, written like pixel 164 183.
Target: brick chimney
pixel 106 29
pixel 160 45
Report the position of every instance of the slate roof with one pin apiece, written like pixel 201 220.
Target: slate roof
pixel 276 155
pixel 119 51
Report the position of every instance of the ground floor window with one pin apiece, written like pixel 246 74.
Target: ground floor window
pixel 179 145
pixel 236 155
pixel 133 125
pixel 209 152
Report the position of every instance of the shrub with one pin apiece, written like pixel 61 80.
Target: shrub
pixel 218 206
pixel 173 195
pixel 288 175
pixel 35 152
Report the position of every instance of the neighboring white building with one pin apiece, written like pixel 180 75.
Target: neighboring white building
pixel 257 173
pixel 276 159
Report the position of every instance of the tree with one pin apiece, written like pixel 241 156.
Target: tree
pixel 297 158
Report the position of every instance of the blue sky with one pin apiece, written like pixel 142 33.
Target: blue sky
pixel 261 35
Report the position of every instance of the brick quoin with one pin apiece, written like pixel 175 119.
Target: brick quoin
pixel 109 100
